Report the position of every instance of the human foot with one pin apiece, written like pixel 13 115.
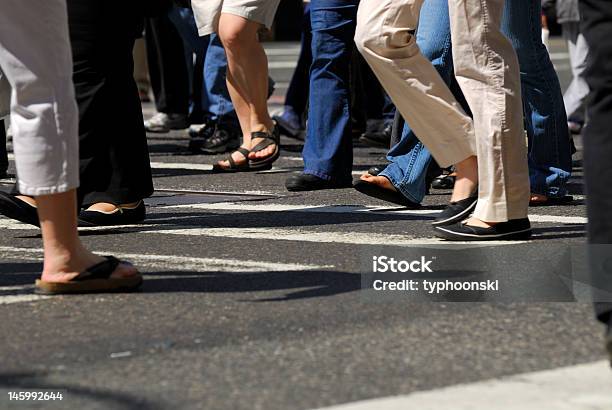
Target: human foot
pixel 265 144
pixel 382 182
pixel 62 267
pixel 106 207
pixel 27 199
pixel 239 158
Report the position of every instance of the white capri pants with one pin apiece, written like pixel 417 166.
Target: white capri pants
pixel 36 59
pixel 207 12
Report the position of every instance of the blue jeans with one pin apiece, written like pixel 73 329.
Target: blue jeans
pixel 215 96
pixel 328 150
pixel 550 161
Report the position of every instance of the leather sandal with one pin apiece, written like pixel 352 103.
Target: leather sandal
pixel 233 166
pixel 269 138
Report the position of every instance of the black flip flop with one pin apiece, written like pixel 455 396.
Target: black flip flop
pixel 96 279
pixel 269 138
pixel 377 192
pixel 14 208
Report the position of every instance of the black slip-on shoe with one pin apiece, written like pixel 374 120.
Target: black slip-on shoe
pixel 307 182
pixel 456 211
pixel 14 208
pixel 513 230
pixel 376 191
pixel 120 216
pixel 377 169
pixel 443 182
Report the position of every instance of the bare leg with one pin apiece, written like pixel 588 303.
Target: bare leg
pixel 65 255
pixel 247 65
pixel 466 180
pixel 243 111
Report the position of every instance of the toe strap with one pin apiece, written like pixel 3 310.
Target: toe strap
pixel 268 139
pixel 102 270
pixel 245 153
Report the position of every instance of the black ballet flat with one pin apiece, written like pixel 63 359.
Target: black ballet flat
pixel 14 208
pixel 120 216
pixel 376 191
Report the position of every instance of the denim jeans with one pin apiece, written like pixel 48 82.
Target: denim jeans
pixel 328 151
pixel 546 121
pixel 215 96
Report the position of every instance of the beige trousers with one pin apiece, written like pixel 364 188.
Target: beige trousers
pixel 486 68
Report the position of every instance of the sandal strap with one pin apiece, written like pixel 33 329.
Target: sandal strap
pixel 269 138
pixel 102 270
pixel 245 153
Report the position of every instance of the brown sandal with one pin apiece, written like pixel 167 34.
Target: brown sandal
pixel 233 167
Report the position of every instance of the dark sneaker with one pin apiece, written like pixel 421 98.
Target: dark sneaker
pixel 199 134
pixel 307 182
pixel 456 211
pixel 378 139
pixel 163 123
pixel 513 230
pixel 224 139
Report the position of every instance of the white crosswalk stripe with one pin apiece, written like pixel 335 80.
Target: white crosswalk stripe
pixel 173 226
pixel 582 387
pixel 23 293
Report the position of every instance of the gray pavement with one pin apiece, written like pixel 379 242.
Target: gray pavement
pixel 255 302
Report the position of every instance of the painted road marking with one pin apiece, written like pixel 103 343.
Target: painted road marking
pixel 582 387
pixel 23 293
pixel 171 262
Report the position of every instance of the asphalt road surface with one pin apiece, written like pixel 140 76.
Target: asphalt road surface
pixel 253 300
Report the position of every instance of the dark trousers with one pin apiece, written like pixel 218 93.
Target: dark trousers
pixel 3 153
pixel 114 158
pixel 297 93
pixel 597 29
pixel 167 66
pixel 328 151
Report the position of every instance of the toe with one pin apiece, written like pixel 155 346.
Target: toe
pixel 125 270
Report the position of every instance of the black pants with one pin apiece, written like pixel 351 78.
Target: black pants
pixel 3 153
pixel 167 66
pixel 597 29
pixel 297 93
pixel 114 158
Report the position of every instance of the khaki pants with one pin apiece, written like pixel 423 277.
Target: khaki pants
pixel 486 68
